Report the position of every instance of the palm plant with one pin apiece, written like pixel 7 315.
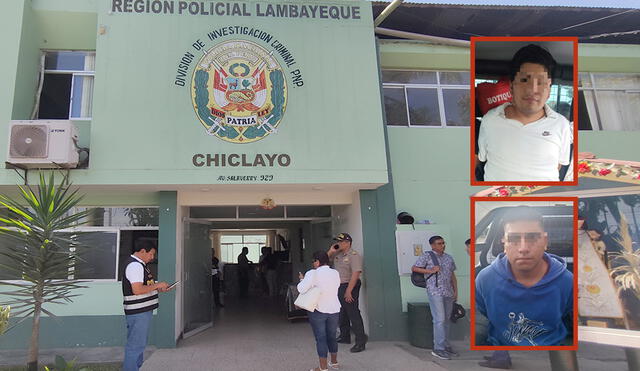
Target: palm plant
pixel 43 258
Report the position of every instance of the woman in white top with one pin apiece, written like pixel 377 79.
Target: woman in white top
pixel 324 320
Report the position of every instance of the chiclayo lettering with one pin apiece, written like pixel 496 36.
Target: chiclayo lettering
pixel 241 160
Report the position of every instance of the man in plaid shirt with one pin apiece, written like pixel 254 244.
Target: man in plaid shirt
pixel 442 292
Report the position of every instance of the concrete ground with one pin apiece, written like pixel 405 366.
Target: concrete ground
pixel 255 335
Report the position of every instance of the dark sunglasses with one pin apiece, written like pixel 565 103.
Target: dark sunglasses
pixel 529 237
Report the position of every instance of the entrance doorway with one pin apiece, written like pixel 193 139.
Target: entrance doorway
pixel 292 238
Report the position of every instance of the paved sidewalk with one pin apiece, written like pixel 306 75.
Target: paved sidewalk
pixel 198 354
pixel 254 335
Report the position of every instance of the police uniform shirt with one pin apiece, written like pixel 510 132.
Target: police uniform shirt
pixel 346 264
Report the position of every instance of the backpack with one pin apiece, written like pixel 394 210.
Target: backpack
pixel 418 279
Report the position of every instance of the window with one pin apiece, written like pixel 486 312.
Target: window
pixel 231 246
pixel 67 87
pixel 426 98
pixel 121 216
pixel 561 97
pixel 611 101
pixel 110 234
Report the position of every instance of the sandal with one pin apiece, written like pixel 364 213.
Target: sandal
pixel 335 366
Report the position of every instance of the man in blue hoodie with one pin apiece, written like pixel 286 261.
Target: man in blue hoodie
pixel 525 294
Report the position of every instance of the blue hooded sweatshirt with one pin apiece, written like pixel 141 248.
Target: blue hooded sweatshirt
pixel 520 315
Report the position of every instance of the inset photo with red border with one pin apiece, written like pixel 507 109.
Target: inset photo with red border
pixel 524 110
pixel 524 288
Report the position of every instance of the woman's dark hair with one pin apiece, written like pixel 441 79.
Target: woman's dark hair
pixel 532 54
pixel 321 257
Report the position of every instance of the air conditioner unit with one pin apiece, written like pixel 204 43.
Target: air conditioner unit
pixel 42 144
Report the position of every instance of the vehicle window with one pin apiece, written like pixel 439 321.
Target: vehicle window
pixel 482 237
pixel 559 229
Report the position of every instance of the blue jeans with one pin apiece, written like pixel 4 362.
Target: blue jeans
pixel 137 331
pixel 441 308
pixel 324 327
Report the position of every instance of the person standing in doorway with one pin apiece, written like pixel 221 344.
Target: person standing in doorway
pixel 271 272
pixel 262 270
pixel 348 263
pixel 215 281
pixel 442 292
pixel 243 272
pixel 140 291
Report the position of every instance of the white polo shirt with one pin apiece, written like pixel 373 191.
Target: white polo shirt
pixel 518 152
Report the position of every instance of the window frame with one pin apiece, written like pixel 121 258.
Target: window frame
pixel 116 229
pixel 593 88
pixel 243 234
pixel 439 93
pixel 73 73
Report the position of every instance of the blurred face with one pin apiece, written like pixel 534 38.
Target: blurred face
pixel 467 247
pixel 316 263
pixel 344 245
pixel 524 244
pixel 147 256
pixel 530 89
pixel 438 246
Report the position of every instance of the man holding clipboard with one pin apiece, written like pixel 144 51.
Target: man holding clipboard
pixel 140 291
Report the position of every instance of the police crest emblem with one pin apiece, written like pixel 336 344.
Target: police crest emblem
pixel 239 92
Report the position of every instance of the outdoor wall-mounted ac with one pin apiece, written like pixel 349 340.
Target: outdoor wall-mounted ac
pixel 42 144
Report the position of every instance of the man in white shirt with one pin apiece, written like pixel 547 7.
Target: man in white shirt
pixel 140 291
pixel 525 140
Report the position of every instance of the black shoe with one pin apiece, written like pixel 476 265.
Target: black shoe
pixel 343 341
pixel 492 363
pixel 357 348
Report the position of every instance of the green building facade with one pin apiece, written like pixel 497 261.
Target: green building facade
pixel 173 120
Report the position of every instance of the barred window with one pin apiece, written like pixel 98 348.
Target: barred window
pixel 426 98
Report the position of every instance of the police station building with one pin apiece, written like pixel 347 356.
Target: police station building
pixel 207 126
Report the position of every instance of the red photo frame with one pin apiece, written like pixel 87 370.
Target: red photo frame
pixel 472 112
pixel 474 200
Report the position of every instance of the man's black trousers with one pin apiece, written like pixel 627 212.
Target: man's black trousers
pixel 350 318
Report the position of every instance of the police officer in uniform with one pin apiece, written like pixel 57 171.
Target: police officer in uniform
pixel 348 263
